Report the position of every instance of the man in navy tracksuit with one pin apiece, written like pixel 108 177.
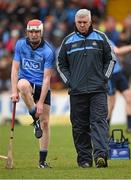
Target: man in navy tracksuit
pixel 85 63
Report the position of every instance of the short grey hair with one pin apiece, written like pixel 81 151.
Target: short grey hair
pixel 83 12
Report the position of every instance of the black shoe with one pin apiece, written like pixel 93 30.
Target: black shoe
pixel 101 162
pixel 44 165
pixel 37 129
pixel 85 165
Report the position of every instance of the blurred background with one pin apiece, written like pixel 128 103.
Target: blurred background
pixel 110 16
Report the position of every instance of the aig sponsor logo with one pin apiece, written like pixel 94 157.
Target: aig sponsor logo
pixel 30 64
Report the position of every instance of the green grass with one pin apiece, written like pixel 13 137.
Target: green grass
pixel 62 157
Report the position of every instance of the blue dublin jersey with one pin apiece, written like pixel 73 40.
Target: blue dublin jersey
pixel 33 61
pixel 117 67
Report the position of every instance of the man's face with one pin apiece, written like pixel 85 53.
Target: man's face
pixel 82 24
pixel 34 36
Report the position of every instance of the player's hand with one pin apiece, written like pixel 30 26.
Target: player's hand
pixel 15 97
pixel 40 108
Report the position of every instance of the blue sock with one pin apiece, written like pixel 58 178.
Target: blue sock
pixel 43 155
pixel 32 113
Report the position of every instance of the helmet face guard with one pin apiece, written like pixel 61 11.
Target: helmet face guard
pixel 35 25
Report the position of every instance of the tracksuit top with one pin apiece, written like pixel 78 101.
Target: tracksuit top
pixel 33 61
pixel 86 62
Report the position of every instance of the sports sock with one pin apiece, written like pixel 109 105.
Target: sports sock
pixel 32 113
pixel 129 122
pixel 43 155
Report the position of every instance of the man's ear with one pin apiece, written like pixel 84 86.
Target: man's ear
pixel 90 22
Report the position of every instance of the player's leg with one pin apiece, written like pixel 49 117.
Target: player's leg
pixel 45 139
pixel 44 119
pixel 111 103
pixel 111 98
pixel 26 91
pixel 127 96
pixel 123 87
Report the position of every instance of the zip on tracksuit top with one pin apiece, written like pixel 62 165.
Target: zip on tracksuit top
pixel 86 62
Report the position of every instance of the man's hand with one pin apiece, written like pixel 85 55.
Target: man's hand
pixel 15 97
pixel 40 108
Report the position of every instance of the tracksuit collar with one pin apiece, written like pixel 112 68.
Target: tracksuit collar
pixel 90 30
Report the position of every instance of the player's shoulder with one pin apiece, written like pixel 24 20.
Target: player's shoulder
pixel 100 33
pixel 69 37
pixel 20 42
pixel 48 46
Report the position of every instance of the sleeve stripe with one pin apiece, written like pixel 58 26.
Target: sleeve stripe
pixel 110 68
pixel 61 74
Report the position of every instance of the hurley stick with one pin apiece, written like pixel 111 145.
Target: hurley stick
pixel 3 157
pixel 9 162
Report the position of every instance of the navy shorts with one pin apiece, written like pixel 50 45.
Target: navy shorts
pixel 118 82
pixel 37 92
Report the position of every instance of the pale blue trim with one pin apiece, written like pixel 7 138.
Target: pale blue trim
pixel 81 49
pixel 76 38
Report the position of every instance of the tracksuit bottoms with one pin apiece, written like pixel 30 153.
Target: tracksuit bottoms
pixel 89 125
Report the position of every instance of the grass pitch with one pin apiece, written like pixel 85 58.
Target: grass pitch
pixel 62 157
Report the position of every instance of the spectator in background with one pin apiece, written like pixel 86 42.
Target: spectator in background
pixel 125 35
pixel 126 63
pixel 59 32
pixel 127 28
pixel 126 59
pixel 49 25
pixel 118 82
pixel 71 10
pixel 43 9
pixel 110 29
pixel 125 39
pixel 59 15
pixel 4 30
pixel 5 70
pixel 95 6
pixel 10 45
pixel 58 11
